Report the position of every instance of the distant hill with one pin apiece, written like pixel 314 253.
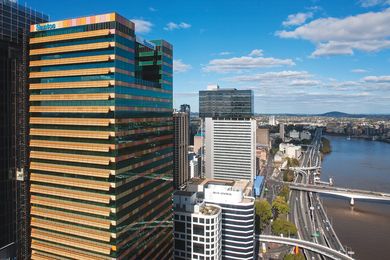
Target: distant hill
pixel 336 114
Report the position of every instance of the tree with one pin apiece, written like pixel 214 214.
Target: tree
pixel 263 214
pixel 280 206
pixel 285 192
pixel 325 148
pixel 294 257
pixel 283 226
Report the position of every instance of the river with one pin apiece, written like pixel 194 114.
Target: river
pixel 360 164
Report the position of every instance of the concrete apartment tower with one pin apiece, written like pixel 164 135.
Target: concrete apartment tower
pixel 15 21
pixel 180 149
pixel 101 141
pixel 230 133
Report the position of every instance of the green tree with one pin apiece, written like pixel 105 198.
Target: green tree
pixel 325 148
pixel 299 256
pixel 285 192
pixel 280 206
pixel 263 214
pixel 283 226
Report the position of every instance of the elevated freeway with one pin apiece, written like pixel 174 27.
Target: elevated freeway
pixel 313 247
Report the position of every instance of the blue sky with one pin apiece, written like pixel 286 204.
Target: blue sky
pixel 307 56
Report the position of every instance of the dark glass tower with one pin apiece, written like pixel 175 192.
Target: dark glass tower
pixel 226 103
pixel 15 21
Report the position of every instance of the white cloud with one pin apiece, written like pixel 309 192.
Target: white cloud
pixel 173 26
pixel 304 82
pixel 256 53
pixel 142 26
pixel 370 3
pixel 152 9
pixel 271 76
pixel 368 32
pixel 377 79
pixel 359 71
pixel 245 63
pixel 297 19
pixel 180 66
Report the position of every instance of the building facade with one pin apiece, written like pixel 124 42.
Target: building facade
pixel 180 149
pixel 101 135
pixel 197 228
pixel 262 137
pixel 15 21
pixel 187 109
pixel 230 149
pixel 235 198
pixel 281 131
pixel 225 103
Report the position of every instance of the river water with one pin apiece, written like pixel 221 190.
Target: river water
pixel 360 164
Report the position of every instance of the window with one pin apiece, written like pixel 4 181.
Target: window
pixel 179 226
pixel 198 230
pixel 198 248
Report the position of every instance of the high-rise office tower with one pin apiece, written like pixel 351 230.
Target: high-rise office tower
pixel 230 149
pixel 101 141
pixel 230 133
pixel 281 131
pixel 187 109
pixel 15 23
pixel 180 149
pixel 225 103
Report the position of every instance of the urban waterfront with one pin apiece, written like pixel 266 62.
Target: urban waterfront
pixel 361 164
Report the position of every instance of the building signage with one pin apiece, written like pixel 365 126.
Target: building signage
pixel 145 43
pixel 49 26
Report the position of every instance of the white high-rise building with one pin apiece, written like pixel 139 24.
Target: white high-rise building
pixel 272 121
pixel 230 148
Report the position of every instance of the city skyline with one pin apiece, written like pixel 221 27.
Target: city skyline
pixel 284 52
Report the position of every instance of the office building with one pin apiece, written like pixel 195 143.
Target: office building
pixel 15 21
pixel 294 134
pixel 101 133
pixel 197 228
pixel 235 198
pixel 194 165
pixel 290 150
pixel 281 131
pixel 185 108
pixel 230 149
pixel 272 121
pixel 262 137
pixel 225 103
pixel 180 149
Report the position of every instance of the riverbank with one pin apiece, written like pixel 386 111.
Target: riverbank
pixel 325 147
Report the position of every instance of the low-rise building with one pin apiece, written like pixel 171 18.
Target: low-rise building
pixel 290 150
pixel 294 134
pixel 305 135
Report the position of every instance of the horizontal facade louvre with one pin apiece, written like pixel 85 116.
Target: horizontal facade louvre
pixel 73 48
pixel 72 133
pixel 100 160
pixel 81 84
pixel 71 121
pixel 68 73
pixel 69 205
pixel 99 96
pixel 73 194
pixel 71 241
pixel 73 218
pixel 66 252
pixel 70 36
pixel 71 109
pixel 76 60
pixel 71 182
pixel 72 145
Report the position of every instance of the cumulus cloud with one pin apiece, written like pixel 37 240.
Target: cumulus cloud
pixel 270 76
pixel 359 71
pixel 180 66
pixel 377 79
pixel 256 53
pixel 297 19
pixel 366 32
pixel 245 63
pixel 370 3
pixel 142 26
pixel 174 26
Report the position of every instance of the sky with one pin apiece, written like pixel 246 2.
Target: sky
pixel 306 56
